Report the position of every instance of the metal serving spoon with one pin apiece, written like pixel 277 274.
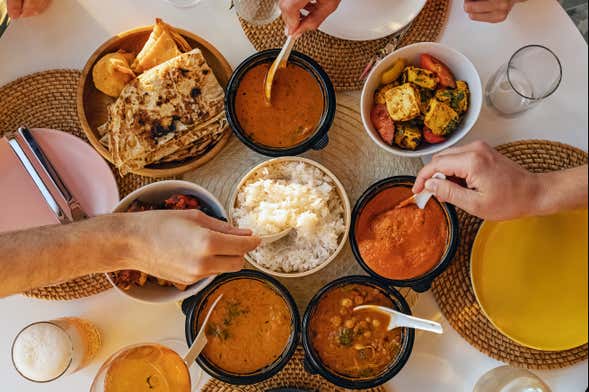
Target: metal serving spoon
pixel 399 320
pixel 280 62
pixel 270 238
pixel 201 339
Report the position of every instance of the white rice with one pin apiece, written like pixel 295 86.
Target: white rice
pixel 298 195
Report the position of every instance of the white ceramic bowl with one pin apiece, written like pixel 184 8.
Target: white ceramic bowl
pixel 461 67
pixel 155 193
pixel 345 201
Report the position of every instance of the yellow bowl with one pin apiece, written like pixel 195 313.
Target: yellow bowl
pixel 530 278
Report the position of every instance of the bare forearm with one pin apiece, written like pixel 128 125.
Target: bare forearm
pixel 562 191
pixel 54 254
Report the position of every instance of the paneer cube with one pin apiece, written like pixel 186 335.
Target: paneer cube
pixel 408 136
pixel 441 118
pixel 457 98
pixel 403 102
pixel 421 77
pixel 379 96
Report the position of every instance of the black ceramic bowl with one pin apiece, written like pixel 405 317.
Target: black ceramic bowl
pixel 421 283
pixel 313 362
pixel 319 139
pixel 192 307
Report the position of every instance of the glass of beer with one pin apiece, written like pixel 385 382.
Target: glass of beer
pixel 47 350
pixel 144 367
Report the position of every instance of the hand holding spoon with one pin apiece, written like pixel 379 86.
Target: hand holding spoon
pixel 420 199
pixel 399 320
pixel 280 62
pixel 270 238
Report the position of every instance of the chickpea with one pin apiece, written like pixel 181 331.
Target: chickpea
pixel 336 321
pixel 350 323
pixel 367 334
pixel 346 302
pixel 358 300
pixel 375 323
pixel 368 319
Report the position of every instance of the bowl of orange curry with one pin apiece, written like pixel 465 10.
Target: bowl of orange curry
pixel 350 348
pixel 403 247
pixel 301 111
pixel 253 331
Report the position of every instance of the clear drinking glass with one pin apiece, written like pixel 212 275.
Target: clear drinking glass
pixel 532 74
pixel 258 12
pixel 46 350
pixel 509 379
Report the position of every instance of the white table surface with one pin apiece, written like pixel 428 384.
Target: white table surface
pixel 68 33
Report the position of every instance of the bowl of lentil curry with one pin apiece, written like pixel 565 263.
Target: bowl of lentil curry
pixel 353 349
pixel 252 333
pixel 405 247
pixel 299 115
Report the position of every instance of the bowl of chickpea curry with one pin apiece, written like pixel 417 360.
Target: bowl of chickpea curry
pixel 353 349
pixel 252 332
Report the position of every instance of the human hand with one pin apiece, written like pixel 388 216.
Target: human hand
pixel 297 24
pixel 497 188
pixel 491 11
pixel 25 8
pixel 184 246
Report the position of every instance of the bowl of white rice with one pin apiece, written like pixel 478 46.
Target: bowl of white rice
pixel 297 193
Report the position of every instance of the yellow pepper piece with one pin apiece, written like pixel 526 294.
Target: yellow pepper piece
pixel 393 73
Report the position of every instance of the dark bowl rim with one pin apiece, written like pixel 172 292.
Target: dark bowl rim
pixel 192 306
pixel 315 364
pixel 319 139
pixel 421 283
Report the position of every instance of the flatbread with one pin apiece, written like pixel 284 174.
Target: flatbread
pixel 165 110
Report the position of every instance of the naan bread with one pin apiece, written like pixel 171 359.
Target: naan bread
pixel 165 111
pixel 161 46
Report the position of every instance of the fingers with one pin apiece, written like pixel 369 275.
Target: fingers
pixel 490 11
pixel 481 6
pixel 230 245
pixel 449 165
pixel 449 192
pixel 218 225
pixel 320 12
pixel 291 13
pixel 14 8
pixel 220 264
pixel 490 17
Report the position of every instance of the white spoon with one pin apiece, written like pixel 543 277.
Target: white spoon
pixel 201 339
pixel 280 62
pixel 399 320
pixel 270 238
pixel 420 199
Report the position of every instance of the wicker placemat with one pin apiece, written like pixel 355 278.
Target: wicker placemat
pixel 48 100
pixel 345 60
pixel 292 376
pixel 453 290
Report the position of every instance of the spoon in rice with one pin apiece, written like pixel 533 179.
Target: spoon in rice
pixel 270 238
pixel 400 320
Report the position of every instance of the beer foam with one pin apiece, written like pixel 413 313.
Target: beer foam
pixel 42 352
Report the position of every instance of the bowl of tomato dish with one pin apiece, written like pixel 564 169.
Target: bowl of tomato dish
pixel 299 115
pixel 421 99
pixel 403 247
pixel 253 331
pixel 352 348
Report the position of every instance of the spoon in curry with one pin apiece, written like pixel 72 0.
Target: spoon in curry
pixel 400 320
pixel 422 198
pixel 201 339
pixel 280 62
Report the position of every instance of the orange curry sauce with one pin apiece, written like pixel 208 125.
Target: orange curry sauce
pixel 402 243
pixel 250 327
pixel 296 109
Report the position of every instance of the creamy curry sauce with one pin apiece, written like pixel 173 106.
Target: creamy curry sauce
pixel 250 327
pixel 294 114
pixel 355 344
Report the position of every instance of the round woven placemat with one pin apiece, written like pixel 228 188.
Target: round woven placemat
pixel 292 376
pixel 345 60
pixel 453 290
pixel 48 100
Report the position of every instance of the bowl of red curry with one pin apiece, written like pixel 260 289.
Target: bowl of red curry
pixel 403 247
pixel 350 348
pixel 301 111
